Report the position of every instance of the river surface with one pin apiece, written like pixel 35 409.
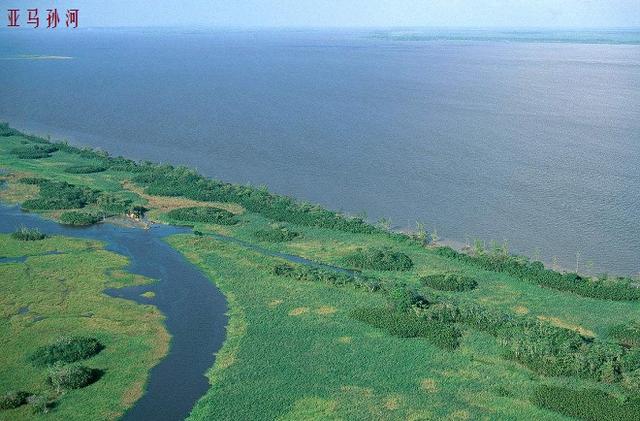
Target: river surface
pixel 475 136
pixel 194 309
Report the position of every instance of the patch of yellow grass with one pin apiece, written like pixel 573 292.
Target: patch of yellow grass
pixel 357 390
pixel 298 311
pixel 166 203
pixel 392 403
pixel 429 385
pixel 520 309
pixel 460 414
pixel 566 325
pixel 345 339
pixel 14 191
pixel 274 303
pixel 325 310
pixel 132 394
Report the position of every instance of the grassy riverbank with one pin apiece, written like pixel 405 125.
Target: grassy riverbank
pixel 49 296
pixel 514 341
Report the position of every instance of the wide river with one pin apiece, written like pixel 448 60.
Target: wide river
pixel 536 143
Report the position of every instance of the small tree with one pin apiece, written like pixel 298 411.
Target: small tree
pixel 384 223
pixel 434 236
pixel 62 377
pixel 421 232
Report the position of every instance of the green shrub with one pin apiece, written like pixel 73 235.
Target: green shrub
pixel 449 282
pixel 586 404
pixel 6 131
pixel 275 234
pixel 34 151
pixel 32 180
pixel 28 234
pixel 61 195
pixel 621 289
pixel 334 278
pixel 403 298
pixel 378 259
pixel 66 349
pixel 40 404
pixel 62 377
pixel 631 381
pixel 13 399
pixel 85 169
pixel 78 218
pixel 409 325
pixel 627 334
pixel 204 214
pixel 113 205
pixel 542 347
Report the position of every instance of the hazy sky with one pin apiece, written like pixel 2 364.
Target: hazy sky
pixel 345 13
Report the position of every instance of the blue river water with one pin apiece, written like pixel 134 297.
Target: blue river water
pixel 529 137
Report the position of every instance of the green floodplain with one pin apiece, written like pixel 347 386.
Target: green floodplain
pixel 412 331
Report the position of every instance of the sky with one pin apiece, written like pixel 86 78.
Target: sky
pixel 349 13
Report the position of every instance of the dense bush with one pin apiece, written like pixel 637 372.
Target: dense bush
pixel 61 195
pixel 544 348
pixel 32 180
pixel 85 169
pixel 169 181
pixel 114 205
pixel 535 272
pixel 275 234
pixel 40 404
pixel 627 334
pixel 410 325
pixel 586 404
pixel 13 399
pixel 6 131
pixel 28 234
pixel 402 298
pixel 78 218
pixel 449 282
pixel 66 349
pixel 378 259
pixel 205 214
pixel 34 151
pixel 62 377
pixel 335 278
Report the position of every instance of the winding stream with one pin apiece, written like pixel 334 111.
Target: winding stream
pixel 194 309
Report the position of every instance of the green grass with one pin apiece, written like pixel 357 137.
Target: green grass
pixel 63 296
pixel 294 349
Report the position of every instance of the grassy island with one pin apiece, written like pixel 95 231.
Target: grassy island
pixel 67 349
pixel 401 329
